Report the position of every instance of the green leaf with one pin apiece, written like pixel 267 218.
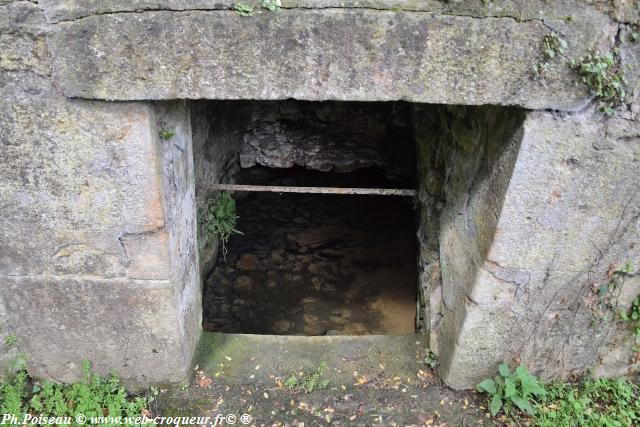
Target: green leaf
pixel 504 369
pixel 522 372
pixel 522 404
pixel 487 385
pixel 510 387
pixel 496 404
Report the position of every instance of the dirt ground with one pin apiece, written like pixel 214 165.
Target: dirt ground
pixel 376 403
pixel 372 381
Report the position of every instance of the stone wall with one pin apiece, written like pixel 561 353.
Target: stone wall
pixel 330 136
pixel 465 159
pixel 90 264
pixel 218 129
pixel 533 209
pixel 533 212
pixel 358 54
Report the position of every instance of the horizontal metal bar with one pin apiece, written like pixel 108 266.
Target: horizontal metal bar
pixel 315 190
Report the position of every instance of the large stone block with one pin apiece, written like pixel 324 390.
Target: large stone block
pixel 81 187
pixel 122 325
pixel 348 54
pixel 98 235
pixel 570 216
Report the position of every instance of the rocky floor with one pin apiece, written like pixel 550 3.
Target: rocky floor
pixel 316 265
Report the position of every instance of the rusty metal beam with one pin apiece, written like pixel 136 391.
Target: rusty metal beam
pixel 314 190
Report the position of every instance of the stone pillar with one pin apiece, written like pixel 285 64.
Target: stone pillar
pixel 526 247
pixel 97 232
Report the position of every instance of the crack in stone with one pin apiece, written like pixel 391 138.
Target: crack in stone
pixel 434 12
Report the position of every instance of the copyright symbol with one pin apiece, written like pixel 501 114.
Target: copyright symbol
pixel 231 419
pixel 81 419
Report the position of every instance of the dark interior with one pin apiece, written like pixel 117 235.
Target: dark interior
pixel 316 264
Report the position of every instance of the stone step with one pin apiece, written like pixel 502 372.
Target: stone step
pixel 263 359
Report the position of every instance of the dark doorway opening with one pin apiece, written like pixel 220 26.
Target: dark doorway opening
pixel 313 264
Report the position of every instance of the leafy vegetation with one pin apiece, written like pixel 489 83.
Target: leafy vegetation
pixel 167 134
pixel 431 360
pixel 605 305
pixel 552 46
pixel 221 218
pixel 509 390
pixel 307 383
pixel 94 396
pixel 243 9
pixel 633 316
pixel 10 340
pixel 591 403
pixel 616 279
pixel 271 5
pixel 602 73
pixel 17 362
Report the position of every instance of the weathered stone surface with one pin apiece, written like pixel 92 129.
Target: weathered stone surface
pixel 217 138
pixel 93 227
pixel 83 213
pixel 66 10
pixel 334 136
pixel 526 287
pixel 60 187
pixel 22 43
pixel 134 327
pixel 626 10
pixel 630 65
pixel 348 54
pixel 282 145
pixel 466 157
pixel 97 213
pixel 178 184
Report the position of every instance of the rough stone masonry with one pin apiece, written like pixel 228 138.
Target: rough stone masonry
pixel 529 195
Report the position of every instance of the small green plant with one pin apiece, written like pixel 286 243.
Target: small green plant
pixel 616 279
pixel 221 218
pixel 552 46
pixel 94 396
pixel 10 340
pixel 509 388
pixel 633 317
pixel 18 362
pixel 431 360
pixel 244 9
pixel 167 134
pixel 603 76
pixel 591 403
pixel 605 304
pixel 271 5
pixel 307 383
